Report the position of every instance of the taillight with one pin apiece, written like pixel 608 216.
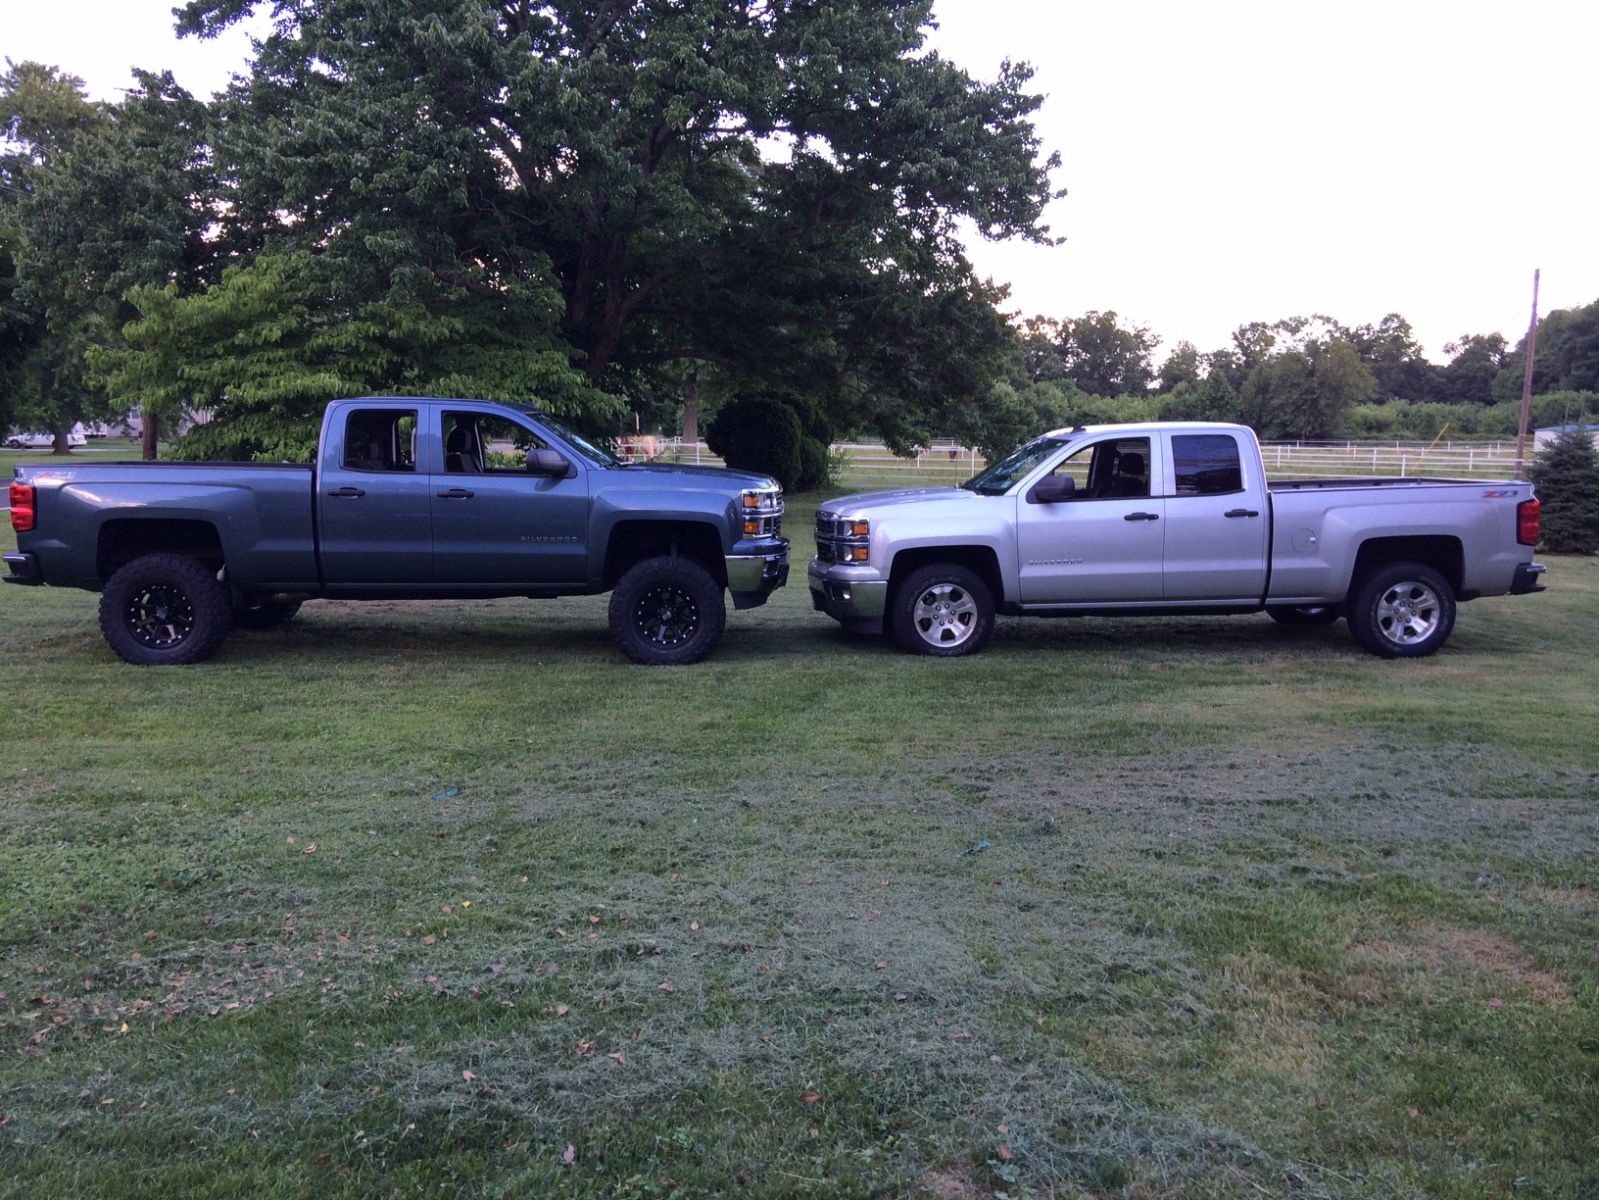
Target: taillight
pixel 22 511
pixel 1527 521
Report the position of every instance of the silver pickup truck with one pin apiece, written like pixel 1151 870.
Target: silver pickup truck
pixel 1167 518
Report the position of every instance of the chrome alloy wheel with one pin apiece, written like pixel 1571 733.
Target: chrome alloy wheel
pixel 666 616
pixel 945 615
pixel 159 616
pixel 1408 613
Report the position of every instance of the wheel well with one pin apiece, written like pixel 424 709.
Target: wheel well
pixel 123 541
pixel 978 559
pixel 1442 554
pixel 633 541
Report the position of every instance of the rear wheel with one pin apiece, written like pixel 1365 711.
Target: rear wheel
pixel 1402 610
pixel 164 610
pixel 265 614
pixel 667 611
pixel 1302 615
pixel 943 610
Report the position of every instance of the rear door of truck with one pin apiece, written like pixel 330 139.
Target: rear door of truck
pixel 374 506
pixel 1217 518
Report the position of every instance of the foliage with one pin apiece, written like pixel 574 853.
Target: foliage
pixel 1474 361
pixel 267 347
pixel 764 435
pixel 1182 366
pixel 1095 351
pixel 1212 400
pixel 774 189
pixel 1306 393
pixel 1566 473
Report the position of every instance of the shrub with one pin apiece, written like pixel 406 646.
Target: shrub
pixel 1567 475
pixel 755 434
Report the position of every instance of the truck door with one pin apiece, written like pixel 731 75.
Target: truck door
pixel 1216 520
pixel 1105 544
pixel 373 507
pixel 494 522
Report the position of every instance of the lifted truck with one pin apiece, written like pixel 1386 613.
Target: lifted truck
pixel 1170 518
pixel 408 498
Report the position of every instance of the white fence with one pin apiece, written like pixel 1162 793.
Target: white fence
pixel 871 464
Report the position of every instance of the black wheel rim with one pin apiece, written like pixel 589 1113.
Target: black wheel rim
pixel 159 616
pixel 666 616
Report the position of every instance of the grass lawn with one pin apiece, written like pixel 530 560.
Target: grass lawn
pixel 448 899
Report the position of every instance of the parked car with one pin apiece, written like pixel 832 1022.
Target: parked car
pixel 408 498
pixel 44 441
pixel 1170 518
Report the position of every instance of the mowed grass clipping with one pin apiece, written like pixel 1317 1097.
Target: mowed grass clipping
pixel 448 899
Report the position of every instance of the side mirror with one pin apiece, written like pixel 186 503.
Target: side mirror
pixel 1052 489
pixel 548 462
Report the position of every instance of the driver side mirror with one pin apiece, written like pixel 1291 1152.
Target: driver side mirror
pixel 548 462
pixel 1052 489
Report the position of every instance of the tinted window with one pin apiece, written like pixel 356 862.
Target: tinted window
pixel 1207 464
pixel 380 440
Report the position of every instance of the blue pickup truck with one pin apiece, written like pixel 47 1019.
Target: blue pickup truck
pixel 409 498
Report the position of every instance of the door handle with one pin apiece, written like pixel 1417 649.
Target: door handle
pixel 456 494
pixel 1142 517
pixel 1241 512
pixel 346 493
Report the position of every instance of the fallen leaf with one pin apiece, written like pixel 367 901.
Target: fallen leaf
pixel 881 964
pixel 694 925
pixel 466 904
pixel 617 1056
pixel 1496 1002
pixel 569 1155
pixel 561 1010
pixel 582 1048
pixel 428 939
pixel 496 968
pixel 667 986
pixel 1002 1153
pixel 811 1097
pixel 594 919
pixel 468 1076
pixel 311 849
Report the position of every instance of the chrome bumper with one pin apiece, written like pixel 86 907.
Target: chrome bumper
pixel 854 596
pixel 22 568
pixel 754 577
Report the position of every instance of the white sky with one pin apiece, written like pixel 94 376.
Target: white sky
pixel 1227 160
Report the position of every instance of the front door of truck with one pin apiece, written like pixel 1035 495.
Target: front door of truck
pixel 494 521
pixel 1104 545
pixel 374 516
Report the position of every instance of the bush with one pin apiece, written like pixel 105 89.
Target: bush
pixel 758 434
pixel 1566 473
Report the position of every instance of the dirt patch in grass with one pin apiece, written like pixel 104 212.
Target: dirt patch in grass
pixel 1477 954
pixel 950 1183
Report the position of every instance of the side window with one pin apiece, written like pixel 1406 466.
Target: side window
pixel 485 444
pixel 1111 469
pixel 1206 464
pixel 381 439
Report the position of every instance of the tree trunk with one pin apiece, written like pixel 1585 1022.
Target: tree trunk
pixel 61 444
pixel 691 409
pixel 148 434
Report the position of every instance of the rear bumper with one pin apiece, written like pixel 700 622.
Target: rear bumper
pixel 752 578
pixel 21 568
pixel 1527 579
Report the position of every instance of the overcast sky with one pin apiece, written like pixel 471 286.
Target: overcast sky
pixel 1226 161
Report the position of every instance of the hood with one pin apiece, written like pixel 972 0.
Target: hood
pixel 717 475
pixel 849 505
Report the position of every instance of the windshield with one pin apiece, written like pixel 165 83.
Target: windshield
pixel 595 454
pixel 999 478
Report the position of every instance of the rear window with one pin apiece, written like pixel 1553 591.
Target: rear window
pixel 1207 464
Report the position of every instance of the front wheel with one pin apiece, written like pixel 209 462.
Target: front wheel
pixel 164 610
pixel 667 611
pixel 943 610
pixel 1402 610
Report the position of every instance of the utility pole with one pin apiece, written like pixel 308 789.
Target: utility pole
pixel 1526 380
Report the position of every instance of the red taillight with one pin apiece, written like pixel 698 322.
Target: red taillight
pixel 1527 520
pixel 22 513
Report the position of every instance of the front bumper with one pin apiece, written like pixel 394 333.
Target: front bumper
pixel 1527 579
pixel 855 597
pixel 752 578
pixel 21 568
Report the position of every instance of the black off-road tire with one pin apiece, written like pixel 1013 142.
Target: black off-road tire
pixel 165 610
pixel 1303 616
pixel 667 612
pixel 943 610
pixel 264 614
pixel 1402 610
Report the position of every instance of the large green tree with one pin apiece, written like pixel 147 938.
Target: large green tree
pixel 774 188
pixel 1567 475
pixel 1306 392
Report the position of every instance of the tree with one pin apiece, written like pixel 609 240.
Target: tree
pixel 1181 366
pixel 1305 393
pixel 1397 363
pixel 1212 400
pixel 270 344
pixel 774 189
pixel 1566 473
pixel 1474 360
